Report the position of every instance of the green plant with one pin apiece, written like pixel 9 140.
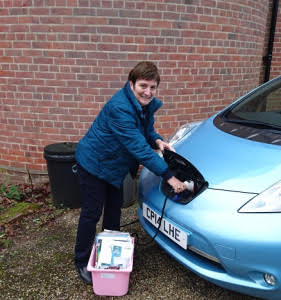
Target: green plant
pixel 11 191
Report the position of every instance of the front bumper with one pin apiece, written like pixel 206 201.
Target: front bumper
pixel 230 249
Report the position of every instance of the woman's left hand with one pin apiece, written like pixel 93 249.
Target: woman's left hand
pixel 162 145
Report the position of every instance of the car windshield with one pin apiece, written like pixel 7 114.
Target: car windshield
pixel 261 109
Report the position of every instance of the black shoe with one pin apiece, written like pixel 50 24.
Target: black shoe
pixel 85 275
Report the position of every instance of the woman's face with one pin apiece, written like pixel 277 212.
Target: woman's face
pixel 144 90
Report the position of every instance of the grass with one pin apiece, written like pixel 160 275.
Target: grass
pixel 24 209
pixel 18 210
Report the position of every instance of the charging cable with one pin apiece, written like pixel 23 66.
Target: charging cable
pixel 158 228
pixel 189 186
pixel 159 225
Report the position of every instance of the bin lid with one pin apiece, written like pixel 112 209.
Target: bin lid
pixel 66 148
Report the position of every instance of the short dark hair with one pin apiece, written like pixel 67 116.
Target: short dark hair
pixel 144 70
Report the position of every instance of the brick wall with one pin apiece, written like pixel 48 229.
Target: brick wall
pixel 61 60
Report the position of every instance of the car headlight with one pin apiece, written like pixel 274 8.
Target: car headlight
pixel 268 201
pixel 182 131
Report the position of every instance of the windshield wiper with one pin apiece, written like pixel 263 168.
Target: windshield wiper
pixel 253 123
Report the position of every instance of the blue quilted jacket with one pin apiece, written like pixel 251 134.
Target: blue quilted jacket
pixel 121 137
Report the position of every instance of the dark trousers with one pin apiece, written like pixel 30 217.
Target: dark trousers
pixel 96 195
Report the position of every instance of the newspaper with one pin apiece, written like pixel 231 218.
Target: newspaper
pixel 114 250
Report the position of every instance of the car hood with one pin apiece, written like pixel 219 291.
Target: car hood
pixel 229 162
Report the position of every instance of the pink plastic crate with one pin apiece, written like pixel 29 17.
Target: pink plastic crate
pixel 109 282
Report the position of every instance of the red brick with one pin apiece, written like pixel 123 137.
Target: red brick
pixel 8 20
pixel 78 53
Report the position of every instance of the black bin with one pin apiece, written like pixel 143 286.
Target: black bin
pixel 61 166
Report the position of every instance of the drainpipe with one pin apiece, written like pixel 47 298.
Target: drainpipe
pixel 268 57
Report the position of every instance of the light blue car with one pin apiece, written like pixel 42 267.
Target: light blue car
pixel 228 230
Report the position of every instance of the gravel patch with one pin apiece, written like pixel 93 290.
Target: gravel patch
pixel 41 267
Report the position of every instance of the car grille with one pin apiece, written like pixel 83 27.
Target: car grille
pixel 205 257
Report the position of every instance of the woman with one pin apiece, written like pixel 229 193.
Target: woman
pixel 120 138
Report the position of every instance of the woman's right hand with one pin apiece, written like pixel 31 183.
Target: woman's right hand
pixel 177 185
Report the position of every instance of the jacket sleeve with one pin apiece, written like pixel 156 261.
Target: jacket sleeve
pixel 123 124
pixel 151 134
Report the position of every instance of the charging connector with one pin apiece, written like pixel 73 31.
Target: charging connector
pixel 189 185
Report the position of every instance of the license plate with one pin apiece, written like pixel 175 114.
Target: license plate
pixel 171 231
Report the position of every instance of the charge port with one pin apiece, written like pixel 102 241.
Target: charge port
pixel 184 171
